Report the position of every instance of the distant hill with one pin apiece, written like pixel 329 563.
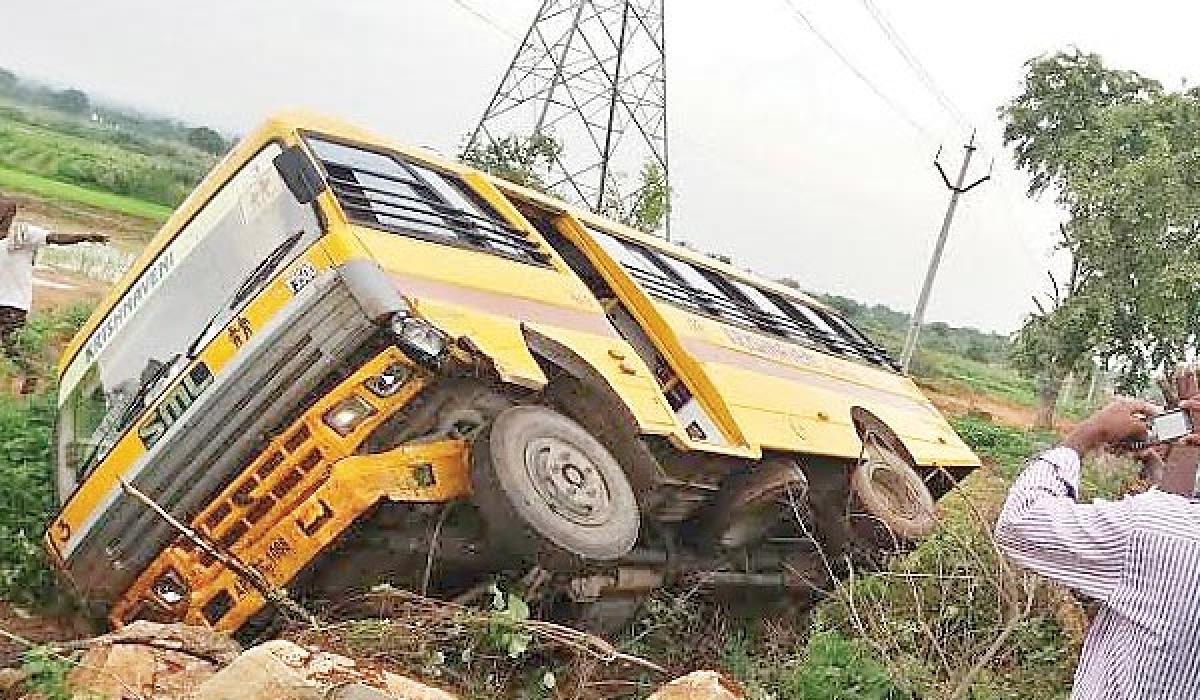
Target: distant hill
pixel 888 327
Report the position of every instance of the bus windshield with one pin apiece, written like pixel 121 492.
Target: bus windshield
pixel 171 302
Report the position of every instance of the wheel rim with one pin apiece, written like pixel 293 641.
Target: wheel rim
pixel 569 483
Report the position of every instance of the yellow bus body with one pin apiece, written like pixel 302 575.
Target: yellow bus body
pixel 766 395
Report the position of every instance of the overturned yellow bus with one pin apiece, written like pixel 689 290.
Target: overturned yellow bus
pixel 343 361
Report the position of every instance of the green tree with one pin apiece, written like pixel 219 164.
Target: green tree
pixel 8 80
pixel 523 160
pixel 1057 340
pixel 71 101
pixel 1121 157
pixel 1064 96
pixel 652 205
pixel 207 140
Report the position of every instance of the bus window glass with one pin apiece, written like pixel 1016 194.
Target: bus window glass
pixel 694 278
pixel 399 195
pixel 160 315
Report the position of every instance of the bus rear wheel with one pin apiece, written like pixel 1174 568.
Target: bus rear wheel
pixel 550 492
pixel 892 507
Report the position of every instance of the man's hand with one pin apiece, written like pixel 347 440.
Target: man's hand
pixel 1120 421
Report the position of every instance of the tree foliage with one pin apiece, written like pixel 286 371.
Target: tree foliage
pixel 71 101
pixel 523 160
pixel 207 140
pixel 652 205
pixel 1121 156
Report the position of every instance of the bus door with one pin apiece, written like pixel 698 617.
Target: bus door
pixel 702 414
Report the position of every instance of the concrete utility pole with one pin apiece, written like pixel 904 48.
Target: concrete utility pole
pixel 956 191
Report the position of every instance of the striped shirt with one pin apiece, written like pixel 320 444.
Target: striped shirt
pixel 1138 557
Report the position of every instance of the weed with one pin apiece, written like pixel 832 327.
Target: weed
pixel 1007 446
pixel 26 476
pixel 838 668
pixel 46 674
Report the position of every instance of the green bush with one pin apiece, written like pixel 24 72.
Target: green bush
pixel 835 667
pixel 46 673
pixel 1009 447
pixel 26 496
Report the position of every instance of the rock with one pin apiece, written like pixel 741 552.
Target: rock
pixel 176 662
pixel 12 683
pixel 699 685
pixel 282 670
pixel 150 660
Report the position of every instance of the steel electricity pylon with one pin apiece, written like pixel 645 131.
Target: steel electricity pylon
pixel 592 75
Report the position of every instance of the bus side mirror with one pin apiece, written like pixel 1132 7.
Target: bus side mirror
pixel 299 174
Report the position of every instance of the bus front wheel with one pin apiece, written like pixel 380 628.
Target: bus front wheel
pixel 548 490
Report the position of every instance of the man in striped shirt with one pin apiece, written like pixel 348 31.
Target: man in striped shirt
pixel 1138 557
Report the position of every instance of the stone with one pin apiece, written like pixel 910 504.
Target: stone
pixel 266 672
pixel 12 682
pixel 699 685
pixel 176 662
pixel 282 670
pixel 150 660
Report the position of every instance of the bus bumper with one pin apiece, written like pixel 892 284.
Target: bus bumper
pixel 290 503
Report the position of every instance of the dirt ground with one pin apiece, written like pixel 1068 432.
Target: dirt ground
pixel 953 401
pixel 125 231
pixel 37 628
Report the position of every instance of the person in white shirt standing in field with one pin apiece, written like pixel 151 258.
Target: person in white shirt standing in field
pixel 19 243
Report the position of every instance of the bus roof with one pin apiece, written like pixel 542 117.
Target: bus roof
pixel 283 124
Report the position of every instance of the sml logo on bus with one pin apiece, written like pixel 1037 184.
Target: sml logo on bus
pixel 175 404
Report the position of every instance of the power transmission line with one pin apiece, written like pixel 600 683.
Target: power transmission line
pixel 486 19
pixel 806 22
pixel 913 62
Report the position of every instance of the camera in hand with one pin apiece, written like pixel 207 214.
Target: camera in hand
pixel 1168 427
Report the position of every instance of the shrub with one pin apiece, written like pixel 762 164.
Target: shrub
pixel 26 476
pixel 26 497
pixel 837 667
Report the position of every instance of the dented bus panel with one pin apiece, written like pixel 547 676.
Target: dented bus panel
pixel 337 343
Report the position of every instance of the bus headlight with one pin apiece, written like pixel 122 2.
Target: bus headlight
pixel 420 338
pixel 170 588
pixel 389 381
pixel 348 414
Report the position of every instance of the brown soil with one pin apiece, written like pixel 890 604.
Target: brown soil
pixel 127 231
pixel 958 401
pixel 57 288
pixel 36 628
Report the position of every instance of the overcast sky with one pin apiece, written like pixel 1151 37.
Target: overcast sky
pixel 780 156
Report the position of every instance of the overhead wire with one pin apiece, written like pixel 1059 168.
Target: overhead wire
pixel 486 19
pixel 804 21
pixel 914 63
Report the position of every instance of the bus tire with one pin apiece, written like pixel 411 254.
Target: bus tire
pixel 549 491
pixel 891 506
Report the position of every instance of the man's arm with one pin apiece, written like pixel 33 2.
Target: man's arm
pixel 1044 529
pixel 73 238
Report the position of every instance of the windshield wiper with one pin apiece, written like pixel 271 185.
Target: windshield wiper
pixel 261 272
pixel 130 409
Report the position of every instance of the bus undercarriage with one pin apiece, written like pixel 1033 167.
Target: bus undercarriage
pixel 445 479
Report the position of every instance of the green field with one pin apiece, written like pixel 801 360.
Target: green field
pixel 62 191
pixel 110 167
